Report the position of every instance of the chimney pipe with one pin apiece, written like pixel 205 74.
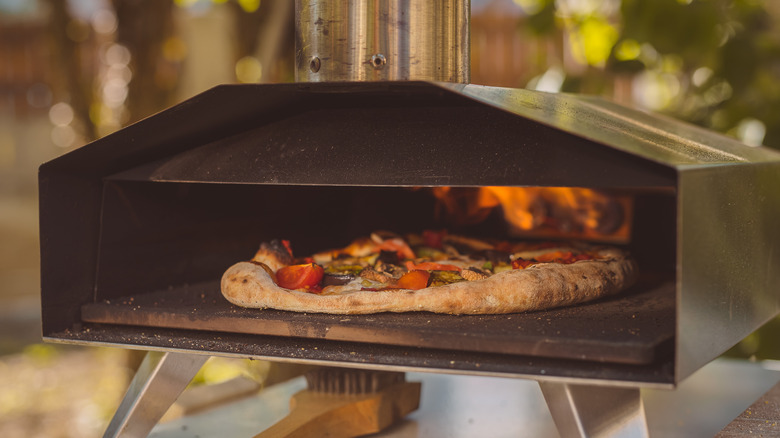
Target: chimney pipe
pixel 382 40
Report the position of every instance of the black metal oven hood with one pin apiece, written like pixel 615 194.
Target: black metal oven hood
pixel 142 222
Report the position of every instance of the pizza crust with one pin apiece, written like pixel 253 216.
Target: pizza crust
pixel 540 286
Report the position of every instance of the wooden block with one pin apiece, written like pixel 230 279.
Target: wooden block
pixel 315 414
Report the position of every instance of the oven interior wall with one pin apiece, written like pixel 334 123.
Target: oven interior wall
pixel 157 236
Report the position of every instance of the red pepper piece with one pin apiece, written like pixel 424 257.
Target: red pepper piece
pixel 306 276
pixel 412 280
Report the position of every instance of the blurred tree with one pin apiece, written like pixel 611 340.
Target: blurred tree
pixel 715 63
pixel 248 21
pixel 126 61
pixel 75 80
pixel 146 29
pixel 265 39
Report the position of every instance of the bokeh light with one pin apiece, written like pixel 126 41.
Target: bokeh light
pixel 61 114
pixel 751 131
pixel 249 70
pixel 63 136
pixel 628 49
pixel 104 21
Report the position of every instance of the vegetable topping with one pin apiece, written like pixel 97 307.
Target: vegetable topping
pixel 306 276
pixel 412 280
pixel 386 261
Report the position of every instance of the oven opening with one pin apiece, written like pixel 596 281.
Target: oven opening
pixel 180 237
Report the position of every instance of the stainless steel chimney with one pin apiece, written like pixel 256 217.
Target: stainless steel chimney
pixel 381 40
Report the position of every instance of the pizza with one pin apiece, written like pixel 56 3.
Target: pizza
pixel 433 271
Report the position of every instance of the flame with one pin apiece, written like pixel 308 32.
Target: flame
pixel 463 204
pixel 543 211
pixel 520 206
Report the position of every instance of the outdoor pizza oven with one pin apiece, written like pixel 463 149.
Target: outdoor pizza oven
pixel 138 227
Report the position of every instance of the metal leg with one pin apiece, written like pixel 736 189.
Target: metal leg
pixel 595 411
pixel 157 384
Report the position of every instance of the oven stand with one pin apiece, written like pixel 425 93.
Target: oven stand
pixel 578 410
pixel 156 385
pixel 595 411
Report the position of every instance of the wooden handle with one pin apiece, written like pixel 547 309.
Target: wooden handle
pixel 343 416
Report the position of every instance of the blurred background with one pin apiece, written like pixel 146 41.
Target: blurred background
pixel 72 71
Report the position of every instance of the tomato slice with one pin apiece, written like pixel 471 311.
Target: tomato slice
pixel 306 276
pixel 431 266
pixel 412 280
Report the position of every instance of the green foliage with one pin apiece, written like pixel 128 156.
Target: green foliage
pixel 715 63
pixel 692 31
pixel 542 21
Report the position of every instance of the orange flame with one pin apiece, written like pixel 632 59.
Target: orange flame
pixel 567 212
pixel 521 208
